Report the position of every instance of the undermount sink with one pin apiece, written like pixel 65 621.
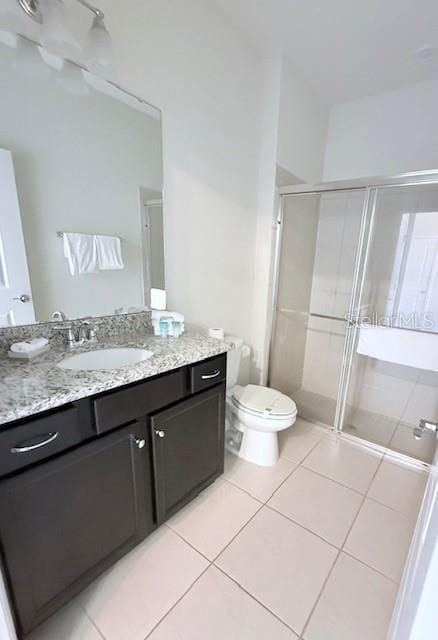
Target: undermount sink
pixel 105 359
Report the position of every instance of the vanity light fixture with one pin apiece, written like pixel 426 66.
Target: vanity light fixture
pixel 57 35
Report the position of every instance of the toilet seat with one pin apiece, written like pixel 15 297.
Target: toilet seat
pixel 263 402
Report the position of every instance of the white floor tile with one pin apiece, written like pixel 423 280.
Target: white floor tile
pixel 259 482
pixel 70 623
pixel 380 538
pixel 132 597
pixel 211 521
pixel 319 504
pixel 399 487
pixel 215 608
pixel 281 564
pixel 343 462
pixel 297 441
pixel 356 604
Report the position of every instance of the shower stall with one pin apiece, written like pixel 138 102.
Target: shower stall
pixel 355 323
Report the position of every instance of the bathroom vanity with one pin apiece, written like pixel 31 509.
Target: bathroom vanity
pixel 86 480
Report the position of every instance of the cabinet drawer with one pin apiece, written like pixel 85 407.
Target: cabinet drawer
pixel 208 373
pixel 120 407
pixel 44 436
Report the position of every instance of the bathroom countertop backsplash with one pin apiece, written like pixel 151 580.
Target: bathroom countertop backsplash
pixel 27 388
pixel 106 327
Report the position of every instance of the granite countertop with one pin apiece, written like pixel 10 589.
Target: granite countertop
pixel 27 388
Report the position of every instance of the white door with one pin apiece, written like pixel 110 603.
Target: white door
pixel 16 306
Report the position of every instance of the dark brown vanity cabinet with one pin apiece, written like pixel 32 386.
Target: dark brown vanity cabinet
pixel 64 522
pixel 83 484
pixel 188 449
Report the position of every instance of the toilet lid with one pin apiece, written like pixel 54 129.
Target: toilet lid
pixel 264 401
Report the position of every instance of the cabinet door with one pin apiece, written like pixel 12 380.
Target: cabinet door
pixel 64 522
pixel 188 449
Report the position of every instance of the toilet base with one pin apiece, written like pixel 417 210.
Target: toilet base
pixel 259 447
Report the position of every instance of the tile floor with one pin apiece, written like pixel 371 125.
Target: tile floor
pixel 312 548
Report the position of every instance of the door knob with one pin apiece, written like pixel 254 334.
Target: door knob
pixel 160 433
pixel 140 443
pixel 23 298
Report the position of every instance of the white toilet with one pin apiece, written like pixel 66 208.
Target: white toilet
pixel 257 412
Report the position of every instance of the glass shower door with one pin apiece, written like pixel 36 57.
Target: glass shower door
pixel 319 244
pixel 393 377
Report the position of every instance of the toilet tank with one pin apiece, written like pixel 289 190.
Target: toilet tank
pixel 233 360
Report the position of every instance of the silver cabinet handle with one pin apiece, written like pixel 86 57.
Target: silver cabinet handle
pixel 23 298
pixel 31 447
pixel 208 376
pixel 160 433
pixel 140 442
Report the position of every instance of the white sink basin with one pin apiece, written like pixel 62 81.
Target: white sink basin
pixel 105 359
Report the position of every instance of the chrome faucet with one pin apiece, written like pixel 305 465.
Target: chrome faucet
pixel 68 333
pixel 85 333
pixel 59 315
pixel 425 425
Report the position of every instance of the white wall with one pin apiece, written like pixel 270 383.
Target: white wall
pixel 302 131
pixel 386 134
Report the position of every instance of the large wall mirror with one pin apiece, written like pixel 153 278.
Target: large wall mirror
pixel 81 211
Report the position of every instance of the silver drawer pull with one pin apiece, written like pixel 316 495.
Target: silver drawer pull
pixel 160 433
pixel 208 376
pixel 31 447
pixel 140 442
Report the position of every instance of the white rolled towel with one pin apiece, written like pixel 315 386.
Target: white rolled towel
pixel 29 345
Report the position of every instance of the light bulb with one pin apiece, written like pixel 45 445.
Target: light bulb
pixel 98 50
pixel 57 36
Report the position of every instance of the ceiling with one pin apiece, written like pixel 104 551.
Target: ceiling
pixel 345 49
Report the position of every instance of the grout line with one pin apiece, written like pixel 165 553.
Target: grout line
pixel 320 593
pixel 248 593
pixel 242 489
pixel 298 464
pixel 340 484
pixel 238 533
pixel 383 504
pixel 178 601
pixel 364 564
pixel 186 541
pixel 298 524
pixel 341 549
pixel 93 622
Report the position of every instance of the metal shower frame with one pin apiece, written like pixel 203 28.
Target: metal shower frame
pixel 370 187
